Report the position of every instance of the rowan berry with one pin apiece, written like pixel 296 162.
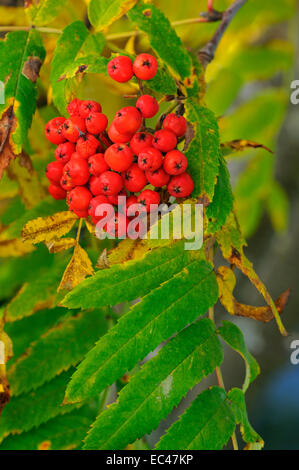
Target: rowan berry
pixel 119 157
pixel 175 123
pixel 113 199
pixel 64 152
pixel 150 159
pixel 66 182
pixel 117 225
pixel 56 191
pixel 140 141
pixel 148 198
pixel 128 120
pixel 157 178
pixel 79 198
pixel 109 183
pixel 147 105
pixel 73 128
pixel 77 169
pixel 87 106
pixel 87 145
pixel 82 214
pixel 131 200
pixel 145 66
pixel 53 130
pixel 97 164
pixel 93 204
pixel 96 123
pixel 175 162
pixel 180 185
pixel 117 137
pixel 134 178
pixel 164 140
pixel 73 107
pixel 120 69
pixel 54 172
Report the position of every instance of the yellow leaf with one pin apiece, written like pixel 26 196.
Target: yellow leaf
pixel 45 229
pixel 15 247
pixel 61 244
pixel 78 268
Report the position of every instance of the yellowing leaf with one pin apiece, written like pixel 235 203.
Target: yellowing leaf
pixel 235 146
pixel 102 14
pixel 62 244
pixel 44 229
pixel 14 247
pixel 78 268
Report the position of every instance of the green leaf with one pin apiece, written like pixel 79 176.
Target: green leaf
pixel 206 425
pixel 233 336
pixel 150 322
pixel 129 280
pixel 157 387
pixel 222 203
pixel 61 433
pixel 68 46
pixel 36 295
pixel 21 56
pixel 162 82
pixel 61 347
pixel 28 411
pixel 237 398
pixel 29 329
pixel 44 11
pixel 162 37
pixel 87 64
pixel 203 150
pixel 102 14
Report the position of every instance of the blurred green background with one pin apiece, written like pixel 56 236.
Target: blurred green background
pixel 248 87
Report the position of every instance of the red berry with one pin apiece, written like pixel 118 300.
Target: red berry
pixel 78 198
pixel 147 198
pixel 77 169
pixel 117 137
pixel 175 123
pixel 164 140
pixel 131 200
pixel 66 182
pixel 157 178
pixel 97 164
pixel 128 120
pixel 145 66
pixel 73 128
pixel 147 105
pixel 180 185
pixel 110 183
pixel 120 69
pixel 87 106
pixel 119 157
pixel 175 162
pixel 64 152
pixel 56 191
pixel 82 214
pixel 150 159
pixel 87 145
pixel 96 123
pixel 73 107
pixel 53 130
pixel 140 141
pixel 54 172
pixel 114 198
pixel 117 226
pixel 93 204
pixel 134 179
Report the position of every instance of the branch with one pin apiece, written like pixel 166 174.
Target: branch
pixel 206 54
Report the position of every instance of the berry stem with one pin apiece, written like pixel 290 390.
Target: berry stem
pixel 79 231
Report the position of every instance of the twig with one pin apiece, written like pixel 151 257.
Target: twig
pixel 206 54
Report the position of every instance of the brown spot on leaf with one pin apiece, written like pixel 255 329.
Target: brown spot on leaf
pixel 81 69
pixel 45 445
pixel 28 3
pixel 31 68
pixel 7 125
pixel 204 200
pixel 4 392
pixel 147 13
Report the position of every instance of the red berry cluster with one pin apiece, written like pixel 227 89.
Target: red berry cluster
pixel 94 166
